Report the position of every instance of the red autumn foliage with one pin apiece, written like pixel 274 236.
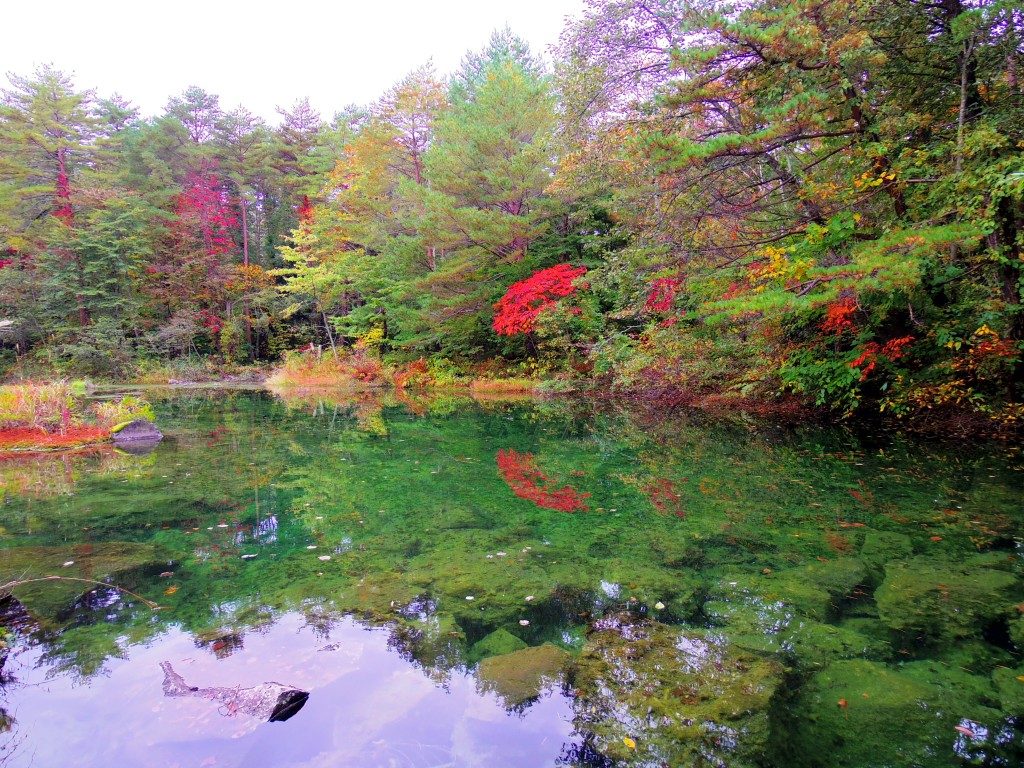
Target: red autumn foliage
pixel 662 293
pixel 211 321
pixel 62 210
pixel 868 359
pixel 520 471
pixel 33 437
pixel 204 212
pixel 663 495
pixel 735 289
pixel 411 373
pixel 517 311
pixel 838 316
pixel 305 211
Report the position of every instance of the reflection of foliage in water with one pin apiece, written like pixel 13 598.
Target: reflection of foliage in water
pixel 777 543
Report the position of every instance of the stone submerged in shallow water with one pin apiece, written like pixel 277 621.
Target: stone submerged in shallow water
pixel 520 676
pixel 683 697
pixel 137 431
pixel 860 714
pixel 931 601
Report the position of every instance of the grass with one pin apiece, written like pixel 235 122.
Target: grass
pixel 37 416
pixel 361 370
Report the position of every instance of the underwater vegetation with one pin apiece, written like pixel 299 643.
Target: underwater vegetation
pixel 679 593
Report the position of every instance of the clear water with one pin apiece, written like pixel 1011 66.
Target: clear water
pixel 460 583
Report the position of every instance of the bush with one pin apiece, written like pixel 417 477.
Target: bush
pixel 110 413
pixel 38 406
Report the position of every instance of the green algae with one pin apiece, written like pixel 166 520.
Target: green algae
pixel 929 601
pixel 683 697
pixel 783 557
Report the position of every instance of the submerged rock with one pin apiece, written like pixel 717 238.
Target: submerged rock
pixel 498 643
pixel 859 713
pixel 681 697
pixel 107 562
pixel 881 547
pixel 520 676
pixel 934 601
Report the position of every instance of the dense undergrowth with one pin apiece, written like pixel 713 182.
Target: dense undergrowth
pixel 754 204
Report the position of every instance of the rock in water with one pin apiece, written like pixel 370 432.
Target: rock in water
pixel 137 432
pixel 271 701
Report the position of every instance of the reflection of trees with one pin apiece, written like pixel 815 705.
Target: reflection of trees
pixel 415 514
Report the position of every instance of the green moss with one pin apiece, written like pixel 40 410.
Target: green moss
pixel 881 547
pixel 497 643
pixel 1009 684
pixel 857 713
pixel 931 601
pixel 520 676
pixel 1017 633
pixel 684 697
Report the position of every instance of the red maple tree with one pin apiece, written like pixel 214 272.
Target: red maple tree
pixel 517 311
pixel 661 294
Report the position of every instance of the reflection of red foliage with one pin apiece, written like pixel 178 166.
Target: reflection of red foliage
pixel 662 292
pixel 527 482
pixel 663 495
pixel 517 311
pixel 838 316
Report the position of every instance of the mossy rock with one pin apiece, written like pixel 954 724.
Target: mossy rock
pixel 683 697
pixel 933 601
pixel 1017 633
pixel 520 676
pixel 106 562
pixel 498 643
pixel 1009 685
pixel 810 644
pixel 881 548
pixel 812 591
pixel 863 714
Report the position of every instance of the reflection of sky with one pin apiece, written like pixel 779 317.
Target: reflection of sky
pixel 367 707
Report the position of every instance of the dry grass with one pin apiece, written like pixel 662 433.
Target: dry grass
pixel 309 371
pixel 504 386
pixel 37 406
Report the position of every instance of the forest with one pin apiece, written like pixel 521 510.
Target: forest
pixel 806 204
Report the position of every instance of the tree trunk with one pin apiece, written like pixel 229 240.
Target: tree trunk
pixel 245 229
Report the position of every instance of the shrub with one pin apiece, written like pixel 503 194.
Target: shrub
pixel 38 406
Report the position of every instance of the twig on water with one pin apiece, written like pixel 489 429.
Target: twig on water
pixel 6 588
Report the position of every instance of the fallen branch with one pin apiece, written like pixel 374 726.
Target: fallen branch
pixel 7 588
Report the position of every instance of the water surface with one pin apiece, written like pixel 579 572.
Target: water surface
pixel 460 583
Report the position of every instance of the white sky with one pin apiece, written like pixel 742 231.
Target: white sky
pixel 257 53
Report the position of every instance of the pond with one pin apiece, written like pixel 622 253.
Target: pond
pixel 499 583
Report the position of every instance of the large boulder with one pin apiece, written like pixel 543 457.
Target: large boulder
pixel 137 432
